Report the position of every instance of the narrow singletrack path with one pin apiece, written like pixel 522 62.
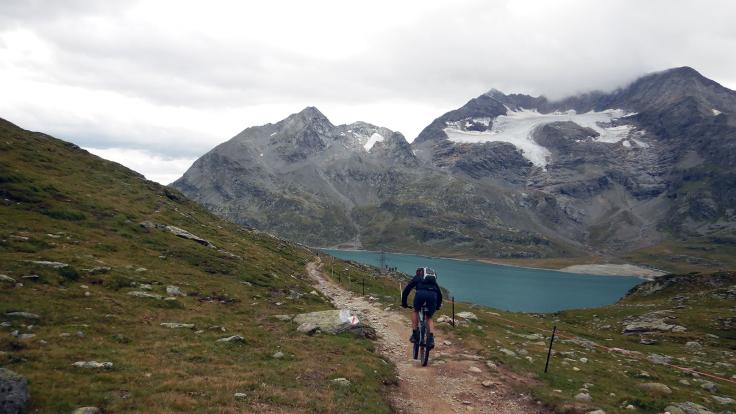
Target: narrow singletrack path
pixel 448 384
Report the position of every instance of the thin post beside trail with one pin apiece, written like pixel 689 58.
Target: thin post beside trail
pixel 549 352
pixel 453 311
pixel 363 285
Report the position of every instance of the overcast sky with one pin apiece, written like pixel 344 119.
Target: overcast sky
pixel 155 84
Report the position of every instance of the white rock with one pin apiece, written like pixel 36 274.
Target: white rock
pixel 723 400
pixel 344 382
pixel 177 325
pixel 583 397
pixel 507 352
pixel 172 290
pixel 55 265
pixel 141 294
pixel 92 364
pixel 468 315
pixel 23 315
pixel 307 328
pixel 6 278
pixel 234 338
pixel 475 370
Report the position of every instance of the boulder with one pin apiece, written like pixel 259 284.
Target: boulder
pixel 240 396
pixel 659 359
pixel 583 397
pixel 475 370
pixel 172 290
pixel 6 279
pixel 177 325
pixel 178 232
pixel 142 294
pixel 285 318
pixel 55 265
pixel 468 315
pixel 87 410
pixel 655 388
pixel 693 344
pixel 596 412
pixel 335 322
pixel 657 321
pixel 687 408
pixel 98 270
pixel 507 352
pixel 344 382
pixel 278 355
pixel 23 315
pixel 14 394
pixel 724 400
pixel 307 328
pixel 232 339
pixel 710 387
pixel 92 365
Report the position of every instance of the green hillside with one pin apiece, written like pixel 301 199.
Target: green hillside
pixel 106 226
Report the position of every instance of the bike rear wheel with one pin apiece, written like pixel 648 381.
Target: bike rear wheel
pixel 425 355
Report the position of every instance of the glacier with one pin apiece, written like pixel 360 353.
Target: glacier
pixel 517 127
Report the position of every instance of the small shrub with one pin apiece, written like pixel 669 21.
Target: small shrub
pixel 117 282
pixel 69 273
pixel 68 215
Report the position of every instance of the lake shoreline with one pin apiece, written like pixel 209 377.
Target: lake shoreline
pixel 594 269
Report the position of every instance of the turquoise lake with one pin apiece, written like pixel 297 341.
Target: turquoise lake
pixel 506 287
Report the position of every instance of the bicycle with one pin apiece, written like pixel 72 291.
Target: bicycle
pixel 421 350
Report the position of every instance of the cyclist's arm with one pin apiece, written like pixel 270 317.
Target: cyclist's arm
pixel 439 297
pixel 407 289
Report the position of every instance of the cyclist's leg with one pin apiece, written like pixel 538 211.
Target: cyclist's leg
pixel 417 305
pixel 431 302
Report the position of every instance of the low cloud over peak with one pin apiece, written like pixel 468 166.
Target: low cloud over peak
pixel 173 78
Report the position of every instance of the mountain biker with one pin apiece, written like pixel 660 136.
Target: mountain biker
pixel 427 294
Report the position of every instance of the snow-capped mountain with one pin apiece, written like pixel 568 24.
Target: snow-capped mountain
pixel 501 176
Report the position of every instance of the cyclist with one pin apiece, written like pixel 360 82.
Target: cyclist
pixel 427 294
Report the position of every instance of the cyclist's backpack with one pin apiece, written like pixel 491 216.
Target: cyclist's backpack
pixel 429 275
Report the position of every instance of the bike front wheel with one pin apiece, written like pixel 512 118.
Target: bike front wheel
pixel 425 355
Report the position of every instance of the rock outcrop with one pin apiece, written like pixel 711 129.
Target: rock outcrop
pixel 333 322
pixel 14 395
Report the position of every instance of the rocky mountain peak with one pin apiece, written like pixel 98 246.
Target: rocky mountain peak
pixel 660 89
pixel 309 118
pixel 310 113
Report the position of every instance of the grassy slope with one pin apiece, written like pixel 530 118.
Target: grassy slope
pixel 60 203
pixel 616 377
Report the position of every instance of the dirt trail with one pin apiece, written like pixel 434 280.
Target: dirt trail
pixel 447 385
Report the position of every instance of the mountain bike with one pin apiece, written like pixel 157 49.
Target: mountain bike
pixel 421 350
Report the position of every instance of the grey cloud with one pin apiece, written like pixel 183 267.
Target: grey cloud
pixel 442 58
